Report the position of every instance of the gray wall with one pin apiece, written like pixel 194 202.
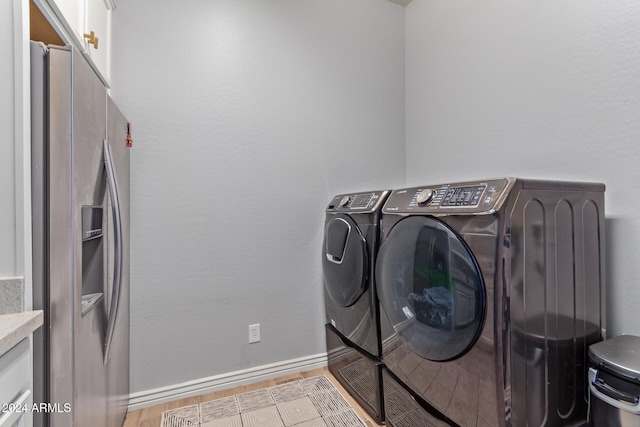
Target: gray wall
pixel 7 143
pixel 533 89
pixel 248 116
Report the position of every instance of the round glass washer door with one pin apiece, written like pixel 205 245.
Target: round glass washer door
pixel 431 288
pixel 344 260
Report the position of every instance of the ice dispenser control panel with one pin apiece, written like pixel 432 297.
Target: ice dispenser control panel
pixel 91 222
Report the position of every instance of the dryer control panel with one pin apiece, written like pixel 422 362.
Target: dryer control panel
pixel 464 197
pixel 358 202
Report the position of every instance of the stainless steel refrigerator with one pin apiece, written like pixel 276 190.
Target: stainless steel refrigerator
pixel 80 203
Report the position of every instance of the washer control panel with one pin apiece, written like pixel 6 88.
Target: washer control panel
pixel 465 197
pixel 358 202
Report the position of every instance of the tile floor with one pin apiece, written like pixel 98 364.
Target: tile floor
pixel 152 416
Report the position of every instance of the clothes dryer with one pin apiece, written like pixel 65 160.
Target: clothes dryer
pixel 494 290
pixel 351 239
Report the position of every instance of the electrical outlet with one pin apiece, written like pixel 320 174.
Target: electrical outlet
pixel 254 333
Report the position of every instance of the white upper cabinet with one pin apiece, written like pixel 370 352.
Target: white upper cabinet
pixel 88 27
pixel 73 12
pixel 98 23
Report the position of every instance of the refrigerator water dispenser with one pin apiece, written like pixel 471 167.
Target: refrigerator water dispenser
pixel 92 258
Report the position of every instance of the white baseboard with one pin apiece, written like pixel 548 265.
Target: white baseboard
pixel 144 399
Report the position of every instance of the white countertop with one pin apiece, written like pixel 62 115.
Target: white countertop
pixel 17 326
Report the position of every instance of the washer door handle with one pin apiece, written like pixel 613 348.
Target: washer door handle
pixel 337 240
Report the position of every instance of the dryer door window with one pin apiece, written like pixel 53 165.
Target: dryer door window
pixel 344 260
pixel 430 287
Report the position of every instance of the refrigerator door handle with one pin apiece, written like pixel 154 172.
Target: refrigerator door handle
pixel 118 252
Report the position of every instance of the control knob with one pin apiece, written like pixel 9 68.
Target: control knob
pixel 424 196
pixel 344 201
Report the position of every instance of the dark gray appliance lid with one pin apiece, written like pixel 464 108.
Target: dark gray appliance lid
pixel 365 202
pixel 619 355
pixel 470 197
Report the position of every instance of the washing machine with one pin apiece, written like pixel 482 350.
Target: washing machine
pixel 494 290
pixel 351 240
